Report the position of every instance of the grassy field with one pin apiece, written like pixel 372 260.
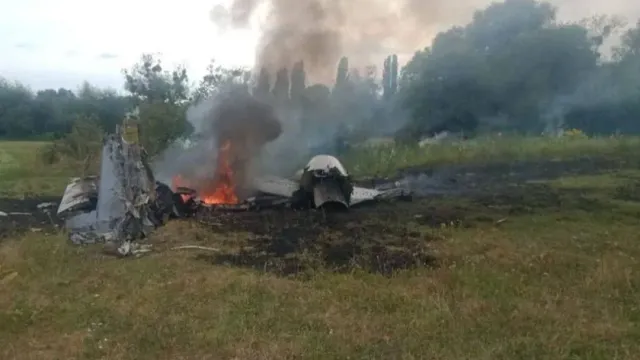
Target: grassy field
pixel 23 174
pixel 385 160
pixel 547 270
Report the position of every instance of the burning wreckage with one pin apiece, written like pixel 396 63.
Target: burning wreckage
pixel 125 202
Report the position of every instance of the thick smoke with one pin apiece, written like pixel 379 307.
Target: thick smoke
pixel 232 119
pixel 245 125
pixel 319 32
pixel 245 121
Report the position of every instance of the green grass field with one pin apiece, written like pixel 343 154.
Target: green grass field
pixel 385 160
pixel 23 174
pixel 547 270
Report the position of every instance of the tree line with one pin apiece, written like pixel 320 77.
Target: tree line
pixel 514 67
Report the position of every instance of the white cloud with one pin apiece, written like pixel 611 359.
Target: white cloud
pixel 68 39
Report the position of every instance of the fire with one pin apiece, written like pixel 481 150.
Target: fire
pixel 222 189
pixel 179 181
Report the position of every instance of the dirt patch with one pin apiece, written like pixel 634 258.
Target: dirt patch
pixel 378 240
pixel 478 179
pixel 19 216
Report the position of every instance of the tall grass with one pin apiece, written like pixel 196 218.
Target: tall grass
pixel 385 160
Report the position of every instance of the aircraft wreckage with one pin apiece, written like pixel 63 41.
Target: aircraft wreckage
pixel 125 202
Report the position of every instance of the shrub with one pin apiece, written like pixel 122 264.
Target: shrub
pixel 81 146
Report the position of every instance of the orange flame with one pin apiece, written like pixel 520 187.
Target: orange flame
pixel 179 181
pixel 222 189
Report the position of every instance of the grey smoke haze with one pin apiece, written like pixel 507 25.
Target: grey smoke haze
pixel 319 32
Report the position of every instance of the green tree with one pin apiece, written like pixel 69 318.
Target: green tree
pixel 103 104
pixel 54 111
pixel 161 124
pixel 217 79
pixel 263 85
pixel 390 77
pixel 81 145
pixel 342 75
pixel 161 98
pixel 298 82
pixel 512 61
pixel 609 102
pixel 316 100
pixel 281 86
pixel 148 82
pixel 16 110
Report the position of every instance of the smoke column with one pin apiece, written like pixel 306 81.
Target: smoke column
pixel 319 32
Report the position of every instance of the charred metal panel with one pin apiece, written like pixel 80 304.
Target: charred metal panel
pixel 361 194
pixel 325 180
pixel 274 185
pixel 81 194
pixel 329 193
pixel 126 208
pixel 324 163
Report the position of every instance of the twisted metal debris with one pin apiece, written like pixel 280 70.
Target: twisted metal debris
pixel 120 206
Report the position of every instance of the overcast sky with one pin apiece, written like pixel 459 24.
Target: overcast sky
pixel 52 44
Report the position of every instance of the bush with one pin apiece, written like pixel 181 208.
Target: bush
pixel 161 124
pixel 81 146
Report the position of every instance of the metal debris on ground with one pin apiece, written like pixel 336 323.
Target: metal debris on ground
pixel 325 181
pixel 120 206
pixel 46 206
